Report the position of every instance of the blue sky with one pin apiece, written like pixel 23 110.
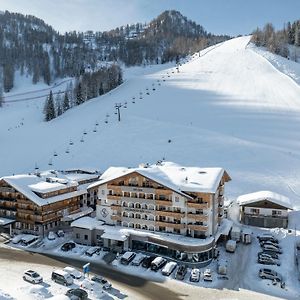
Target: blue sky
pixel 217 16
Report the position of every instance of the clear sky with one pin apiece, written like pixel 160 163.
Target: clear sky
pixel 217 16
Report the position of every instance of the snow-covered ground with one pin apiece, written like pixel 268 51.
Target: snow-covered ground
pixel 242 274
pixel 229 107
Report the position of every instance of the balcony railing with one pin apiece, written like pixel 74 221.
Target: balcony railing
pixel 197 205
pixel 198 217
pixel 113 197
pixel 197 227
pixel 164 202
pixel 169 224
pixel 167 213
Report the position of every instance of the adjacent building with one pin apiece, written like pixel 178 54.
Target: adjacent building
pixel 162 208
pixel 41 202
pixel 264 209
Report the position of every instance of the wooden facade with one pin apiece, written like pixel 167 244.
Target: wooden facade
pixel 35 218
pixel 140 202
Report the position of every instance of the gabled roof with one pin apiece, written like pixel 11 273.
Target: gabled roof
pixel 28 184
pixel 178 178
pixel 265 195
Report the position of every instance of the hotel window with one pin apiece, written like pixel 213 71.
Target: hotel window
pixel 103 192
pixel 162 197
pixel 77 236
pixel 176 199
pixel 86 237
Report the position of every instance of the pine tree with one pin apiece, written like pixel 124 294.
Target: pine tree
pixel 66 102
pixel 79 94
pixel 49 109
pixel 1 87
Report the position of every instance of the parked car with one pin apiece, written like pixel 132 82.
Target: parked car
pixel 127 257
pixel 51 236
pixel 269 274
pixel 207 276
pixel 106 284
pixel 269 243
pixel 271 248
pixel 268 261
pixel 158 263
pixel 60 233
pixel 62 277
pixel 77 294
pixel 28 239
pixel 147 261
pixel 68 246
pixel 169 268
pixel 32 276
pixel 267 237
pixel 73 272
pixel 268 253
pixel 195 275
pixel 181 271
pixel 16 239
pixel 93 250
pixel 138 260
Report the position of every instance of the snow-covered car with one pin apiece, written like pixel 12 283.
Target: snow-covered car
pixel 51 236
pixel 77 294
pixel 106 284
pixel 207 276
pixel 28 239
pixel 268 254
pixel 73 272
pixel 195 275
pixel 60 233
pixel 269 274
pixel 269 243
pixel 93 250
pixel 271 248
pixel 268 261
pixel 16 239
pixel 267 237
pixel 68 246
pixel 138 259
pixel 32 276
pixel 169 268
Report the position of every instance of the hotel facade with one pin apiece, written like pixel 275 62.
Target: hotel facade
pixel 163 208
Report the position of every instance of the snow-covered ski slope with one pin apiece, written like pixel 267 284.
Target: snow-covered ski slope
pixel 229 108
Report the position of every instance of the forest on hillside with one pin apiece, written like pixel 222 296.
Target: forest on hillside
pixel 283 42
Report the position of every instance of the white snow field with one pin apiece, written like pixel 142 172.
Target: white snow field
pixel 228 108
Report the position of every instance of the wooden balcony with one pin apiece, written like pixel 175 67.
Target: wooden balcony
pixel 198 217
pixel 166 213
pixel 168 224
pixel 116 207
pixel 197 227
pixel 197 205
pixel 116 217
pixel 113 197
pixel 163 202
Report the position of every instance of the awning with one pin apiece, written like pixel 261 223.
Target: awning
pixel 113 236
pixel 5 221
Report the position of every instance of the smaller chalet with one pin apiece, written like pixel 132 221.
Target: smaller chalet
pixel 264 209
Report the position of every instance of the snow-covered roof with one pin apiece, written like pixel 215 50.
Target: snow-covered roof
pixel 265 195
pixel 28 184
pixel 5 221
pixel 171 175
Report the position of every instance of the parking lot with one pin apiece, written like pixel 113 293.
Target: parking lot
pixel 242 266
